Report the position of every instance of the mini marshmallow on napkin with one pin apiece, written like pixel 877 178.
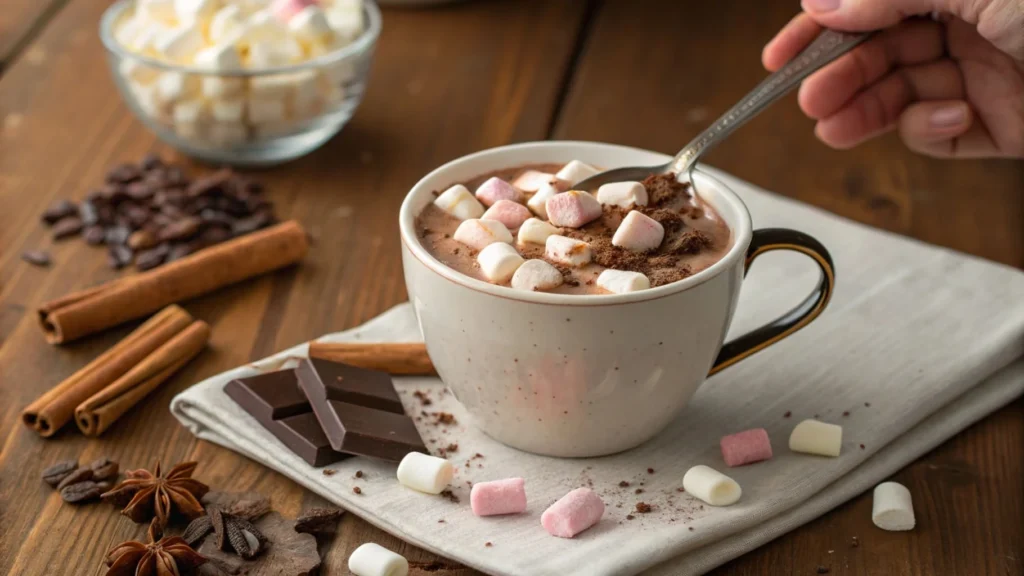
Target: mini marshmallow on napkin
pixel 425 473
pixel 498 497
pixel 573 513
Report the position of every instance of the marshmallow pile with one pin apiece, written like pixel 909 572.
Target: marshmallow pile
pixel 534 209
pixel 225 36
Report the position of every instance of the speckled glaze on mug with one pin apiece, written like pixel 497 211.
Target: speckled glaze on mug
pixel 571 375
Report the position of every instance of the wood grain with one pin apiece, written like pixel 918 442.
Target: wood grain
pixel 661 91
pixel 21 19
pixel 446 82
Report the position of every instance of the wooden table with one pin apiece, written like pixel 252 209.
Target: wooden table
pixel 447 82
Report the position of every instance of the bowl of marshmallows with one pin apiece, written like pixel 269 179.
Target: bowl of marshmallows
pixel 243 82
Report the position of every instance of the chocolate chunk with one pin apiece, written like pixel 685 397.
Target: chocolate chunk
pixel 364 429
pixel 148 259
pixel 119 256
pixel 36 257
pixel 277 403
pixel 94 235
pixel 67 227
pixel 59 210
pixel 81 492
pixel 59 471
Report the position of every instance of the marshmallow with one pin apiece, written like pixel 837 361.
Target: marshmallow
pixel 340 73
pixel 621 281
pixel 478 234
pixel 226 133
pixel 746 447
pixel 576 171
pixel 333 95
pixel 285 10
pixel 310 26
pixel 622 194
pixel 180 45
pixel 219 57
pixel 536 275
pixel 814 437
pixel 226 24
pixel 425 473
pixel 572 209
pixel 499 261
pixel 222 86
pixel 189 117
pixel 509 213
pixel 272 54
pixel 147 100
pixel 891 507
pixel 262 26
pixel 174 86
pixel 191 11
pixel 162 11
pixel 127 32
pixel 280 86
pixel 538 202
pixel 534 231
pixel 567 251
pixel 459 202
pixel 639 233
pixel 375 560
pixel 573 513
pixel 494 189
pixel 137 72
pixel 711 486
pixel 532 181
pixel 225 110
pixel 498 497
pixel 347 22
pixel 263 110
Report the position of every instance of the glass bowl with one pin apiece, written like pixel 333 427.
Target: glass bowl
pixel 246 117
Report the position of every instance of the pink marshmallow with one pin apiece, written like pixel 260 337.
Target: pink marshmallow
pixel 573 513
pixel 638 233
pixel 572 209
pixel 494 189
pixel 498 497
pixel 746 447
pixel 509 213
pixel 283 10
pixel 533 180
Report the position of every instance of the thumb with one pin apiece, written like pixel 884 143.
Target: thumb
pixel 932 127
pixel 863 15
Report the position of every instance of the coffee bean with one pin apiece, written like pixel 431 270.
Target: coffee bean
pixel 79 475
pixel 94 235
pixel 152 258
pixel 59 471
pixel 104 469
pixel 172 196
pixel 150 162
pixel 173 212
pixel 36 257
pixel 142 240
pixel 59 210
pixel 119 256
pixel 179 251
pixel 105 214
pixel 137 215
pixel 112 193
pixel 139 190
pixel 87 213
pixel 180 230
pixel 124 174
pixel 211 183
pixel 81 492
pixel 212 236
pixel 117 235
pixel 251 223
pixel 67 227
pixel 176 176
pixel 211 217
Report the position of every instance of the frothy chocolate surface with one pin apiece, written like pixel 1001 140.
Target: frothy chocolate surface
pixel 695 236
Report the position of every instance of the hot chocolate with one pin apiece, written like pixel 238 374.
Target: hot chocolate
pixel 527 228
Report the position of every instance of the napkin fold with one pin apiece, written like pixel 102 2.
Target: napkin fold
pixel 918 343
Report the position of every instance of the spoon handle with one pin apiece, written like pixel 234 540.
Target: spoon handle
pixel 828 46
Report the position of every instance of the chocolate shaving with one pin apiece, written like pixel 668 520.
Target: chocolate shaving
pixel 319 521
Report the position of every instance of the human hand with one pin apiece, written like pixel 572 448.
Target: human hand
pixel 953 86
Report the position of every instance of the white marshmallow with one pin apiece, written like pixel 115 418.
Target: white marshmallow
pixel 622 194
pixel 219 57
pixel 621 281
pixel 126 31
pixel 638 232
pixel 174 86
pixel 892 508
pixel 263 110
pixel 180 45
pixel 189 117
pixel 222 86
pixel 538 202
pixel 347 23
pixel 281 86
pixel 499 261
pixel 814 437
pixel 478 234
pixel 136 72
pixel 226 110
pixel 192 11
pixel 227 133
pixel 568 251
pixel 263 27
pixel 536 275
pixel 425 473
pixel 331 96
pixel 375 560
pixel 147 100
pixel 711 486
pixel 341 73
pixel 576 171
pixel 532 180
pixel 459 202
pixel 310 25
pixel 161 11
pixel 227 23
pixel 266 54
pixel 535 231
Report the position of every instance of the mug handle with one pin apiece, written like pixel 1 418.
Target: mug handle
pixel 767 240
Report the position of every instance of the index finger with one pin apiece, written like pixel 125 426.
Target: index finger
pixel 794 37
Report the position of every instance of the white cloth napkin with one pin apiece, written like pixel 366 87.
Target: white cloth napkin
pixel 918 343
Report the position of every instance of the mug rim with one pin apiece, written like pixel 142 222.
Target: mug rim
pixel 741 235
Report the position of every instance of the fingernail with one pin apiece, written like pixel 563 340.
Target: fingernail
pixel 948 117
pixel 819 6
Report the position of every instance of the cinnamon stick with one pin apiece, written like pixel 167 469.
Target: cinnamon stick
pixel 102 409
pixel 56 407
pixel 110 304
pixel 400 358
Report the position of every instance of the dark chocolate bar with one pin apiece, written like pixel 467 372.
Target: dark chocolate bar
pixel 277 403
pixel 358 409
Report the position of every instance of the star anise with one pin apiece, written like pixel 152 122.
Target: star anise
pixel 144 494
pixel 170 556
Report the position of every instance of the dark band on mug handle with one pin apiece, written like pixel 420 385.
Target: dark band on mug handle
pixel 767 240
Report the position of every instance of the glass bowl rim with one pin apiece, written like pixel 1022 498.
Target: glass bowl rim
pixel 361 45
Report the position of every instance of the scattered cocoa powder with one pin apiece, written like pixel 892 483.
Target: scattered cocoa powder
pixel 638 491
pixel 787 414
pixel 329 472
pixel 623 484
pixel 359 473
pixel 643 507
pixel 443 418
pixel 663 188
pixel 450 496
pixel 357 490
pixel 650 470
pixel 423 397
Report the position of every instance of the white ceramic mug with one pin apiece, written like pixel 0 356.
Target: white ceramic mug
pixel 571 375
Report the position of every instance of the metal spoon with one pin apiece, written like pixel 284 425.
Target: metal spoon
pixel 828 46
